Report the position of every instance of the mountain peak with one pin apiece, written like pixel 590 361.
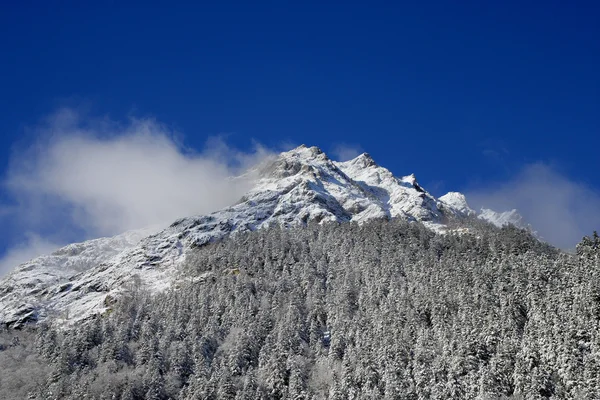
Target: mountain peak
pixel 511 217
pixel 305 152
pixel 457 201
pixel 292 162
pixel 412 179
pixel 363 161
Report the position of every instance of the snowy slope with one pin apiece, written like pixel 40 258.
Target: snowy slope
pixel 44 277
pixel 502 218
pixel 294 188
pixel 397 197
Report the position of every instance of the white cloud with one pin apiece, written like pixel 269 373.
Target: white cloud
pixel 102 178
pixel 561 210
pixel 345 152
pixel 31 247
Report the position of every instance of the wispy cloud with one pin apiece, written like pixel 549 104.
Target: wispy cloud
pixel 32 246
pixel 494 149
pixel 99 177
pixel 345 152
pixel 560 209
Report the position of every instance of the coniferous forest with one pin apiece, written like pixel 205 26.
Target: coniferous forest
pixel 383 310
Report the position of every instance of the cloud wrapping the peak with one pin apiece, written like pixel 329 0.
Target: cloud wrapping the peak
pixel 102 178
pixel 561 210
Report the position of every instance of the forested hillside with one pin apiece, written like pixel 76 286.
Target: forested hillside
pixel 382 310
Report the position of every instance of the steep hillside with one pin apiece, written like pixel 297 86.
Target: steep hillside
pixel 380 310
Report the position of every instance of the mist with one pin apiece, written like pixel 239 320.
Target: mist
pixel 561 210
pixel 93 178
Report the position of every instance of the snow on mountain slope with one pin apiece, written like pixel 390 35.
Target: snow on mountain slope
pixel 294 188
pixel 458 202
pixel 502 218
pixel 45 276
pixel 397 197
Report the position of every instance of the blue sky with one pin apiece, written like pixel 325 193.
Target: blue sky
pixel 469 96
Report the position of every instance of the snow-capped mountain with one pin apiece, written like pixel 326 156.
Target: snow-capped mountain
pixel 299 186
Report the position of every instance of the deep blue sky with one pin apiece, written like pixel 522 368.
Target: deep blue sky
pixel 459 93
